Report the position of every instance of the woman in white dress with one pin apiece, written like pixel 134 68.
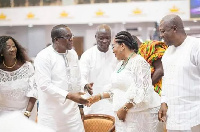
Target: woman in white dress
pixel 134 101
pixel 17 89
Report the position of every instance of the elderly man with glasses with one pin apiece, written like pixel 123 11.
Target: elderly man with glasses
pixel 58 80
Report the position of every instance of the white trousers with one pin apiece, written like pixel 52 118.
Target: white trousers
pixel 193 129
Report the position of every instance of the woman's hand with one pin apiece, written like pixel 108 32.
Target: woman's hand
pixel 93 99
pixel 121 114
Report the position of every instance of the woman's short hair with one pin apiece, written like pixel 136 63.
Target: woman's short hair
pixel 21 52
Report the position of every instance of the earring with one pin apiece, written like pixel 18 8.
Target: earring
pixel 1 54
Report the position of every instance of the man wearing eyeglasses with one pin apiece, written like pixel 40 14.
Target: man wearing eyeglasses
pixel 97 65
pixel 58 80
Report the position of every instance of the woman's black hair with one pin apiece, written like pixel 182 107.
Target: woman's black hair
pixel 126 38
pixel 21 52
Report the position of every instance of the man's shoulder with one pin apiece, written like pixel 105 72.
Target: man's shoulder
pixel 93 48
pixel 90 50
pixel 44 53
pixel 72 51
pixel 197 40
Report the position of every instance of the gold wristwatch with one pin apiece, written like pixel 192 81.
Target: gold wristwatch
pixel 27 113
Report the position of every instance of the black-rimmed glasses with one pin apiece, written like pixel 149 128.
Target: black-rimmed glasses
pixel 67 37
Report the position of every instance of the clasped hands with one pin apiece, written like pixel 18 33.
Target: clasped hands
pixel 93 99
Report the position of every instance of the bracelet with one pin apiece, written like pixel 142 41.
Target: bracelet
pixel 102 96
pixel 131 102
pixel 27 113
pixel 125 108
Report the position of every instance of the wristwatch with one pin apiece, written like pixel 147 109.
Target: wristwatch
pixel 125 108
pixel 27 113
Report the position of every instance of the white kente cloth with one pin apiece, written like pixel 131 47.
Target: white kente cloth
pixel 16 87
pixel 134 84
pixel 56 75
pixel 97 67
pixel 181 84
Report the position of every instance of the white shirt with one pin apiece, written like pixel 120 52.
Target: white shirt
pixel 56 75
pixel 181 84
pixel 97 67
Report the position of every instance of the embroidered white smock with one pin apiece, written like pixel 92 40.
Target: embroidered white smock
pixel 57 74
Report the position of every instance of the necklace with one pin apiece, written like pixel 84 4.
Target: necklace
pixel 9 67
pixel 124 63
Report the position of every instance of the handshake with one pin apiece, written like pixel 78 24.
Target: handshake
pixel 77 97
pixel 93 99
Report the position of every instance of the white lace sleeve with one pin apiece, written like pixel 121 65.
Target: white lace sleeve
pixel 32 90
pixel 138 90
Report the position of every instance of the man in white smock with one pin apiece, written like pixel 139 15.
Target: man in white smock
pixel 58 80
pixel 97 64
pixel 180 98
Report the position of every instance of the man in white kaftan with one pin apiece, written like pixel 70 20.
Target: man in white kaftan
pixel 58 80
pixel 97 64
pixel 181 81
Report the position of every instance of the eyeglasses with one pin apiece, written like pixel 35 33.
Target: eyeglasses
pixel 67 37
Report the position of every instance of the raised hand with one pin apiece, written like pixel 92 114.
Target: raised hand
pixel 88 87
pixel 76 97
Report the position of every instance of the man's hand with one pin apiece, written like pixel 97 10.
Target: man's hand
pixel 121 114
pixel 76 97
pixel 88 87
pixel 162 113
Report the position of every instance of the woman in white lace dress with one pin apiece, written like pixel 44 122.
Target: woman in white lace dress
pixel 134 101
pixel 17 91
